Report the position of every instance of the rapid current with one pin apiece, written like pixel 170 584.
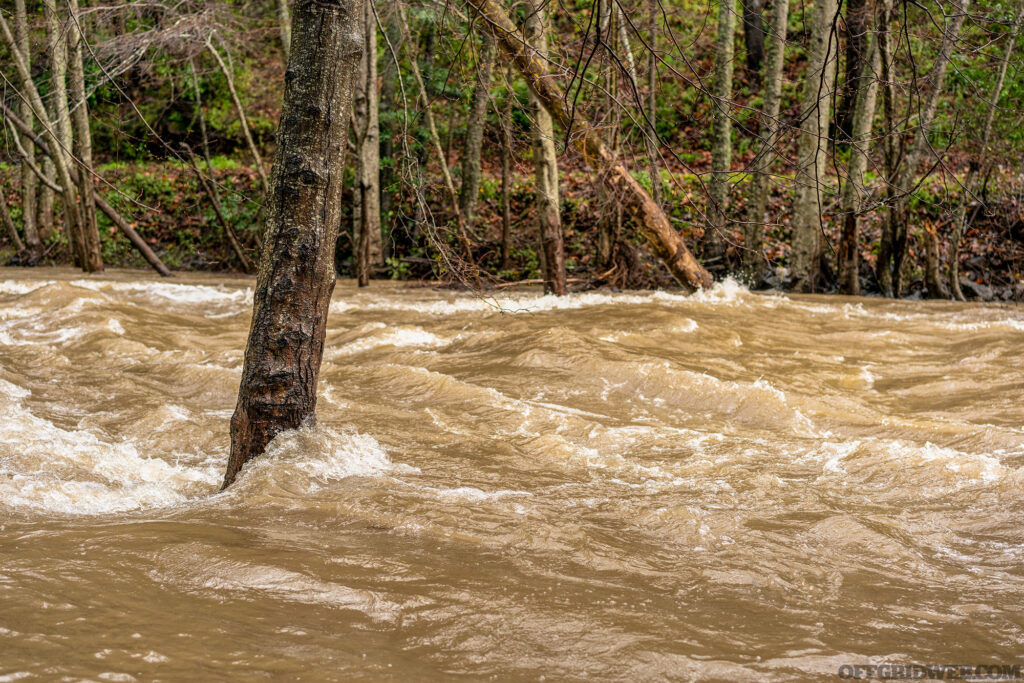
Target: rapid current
pixel 631 486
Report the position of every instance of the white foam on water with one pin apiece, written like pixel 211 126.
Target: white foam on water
pixel 19 287
pixel 78 472
pixel 309 458
pixel 162 292
pixel 397 336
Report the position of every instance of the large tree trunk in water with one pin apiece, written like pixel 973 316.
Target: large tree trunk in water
pixel 721 144
pixel 72 215
pixel 296 276
pixel 469 191
pixel 753 35
pixel 28 177
pixel 853 191
pixel 366 123
pixel 970 185
pixel 857 12
pixel 908 176
pixel 753 233
pixel 650 219
pixel 82 138
pixel 549 217
pixel 816 105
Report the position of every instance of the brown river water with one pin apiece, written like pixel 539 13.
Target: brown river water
pixel 634 486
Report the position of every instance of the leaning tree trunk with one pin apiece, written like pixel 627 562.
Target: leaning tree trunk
pixel 28 177
pixel 549 217
pixel 366 124
pixel 970 187
pixel 753 233
pixel 469 191
pixel 853 191
pixel 296 276
pixel 908 176
pixel 650 219
pixel 721 144
pixel 810 176
pixel 82 135
pixel 72 215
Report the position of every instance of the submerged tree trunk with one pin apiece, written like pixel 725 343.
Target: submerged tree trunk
pixel 721 144
pixel 82 138
pixel 649 218
pixel 753 233
pixel 296 275
pixel 971 188
pixel 810 177
pixel 33 242
pixel 853 191
pixel 469 191
pixel 549 217
pixel 366 124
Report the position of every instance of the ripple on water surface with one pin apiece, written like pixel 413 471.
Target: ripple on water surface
pixel 638 485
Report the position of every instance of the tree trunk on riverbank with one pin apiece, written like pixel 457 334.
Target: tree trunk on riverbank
pixel 366 125
pixel 296 275
pixel 721 144
pixel 81 133
pixel 753 233
pixel 545 160
pixel 648 216
pixel 853 191
pixel 469 191
pixel 810 176
pixel 29 186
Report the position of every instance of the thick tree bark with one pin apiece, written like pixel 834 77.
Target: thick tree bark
pixel 857 12
pixel 82 135
pixel 33 242
pixel 650 219
pixel 296 275
pixel 103 206
pixel 753 35
pixel 753 233
pixel 971 187
pixel 853 191
pixel 810 177
pixel 366 124
pixel 240 110
pixel 907 178
pixel 469 191
pixel 72 215
pixel 721 143
pixel 545 160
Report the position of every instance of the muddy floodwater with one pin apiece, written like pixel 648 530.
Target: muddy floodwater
pixel 632 486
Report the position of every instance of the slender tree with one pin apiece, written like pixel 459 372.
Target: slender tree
pixel 469 191
pixel 549 218
pixel 28 178
pixel 284 23
pixel 296 274
pixel 80 125
pixel 854 190
pixel 366 124
pixel 721 144
pixel 815 109
pixel 753 36
pixel 753 233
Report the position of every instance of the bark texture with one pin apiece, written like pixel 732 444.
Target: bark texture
pixel 549 217
pixel 296 275
pixel 82 135
pixel 854 190
pixel 857 13
pixel 753 232
pixel 721 143
pixel 650 219
pixel 815 107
